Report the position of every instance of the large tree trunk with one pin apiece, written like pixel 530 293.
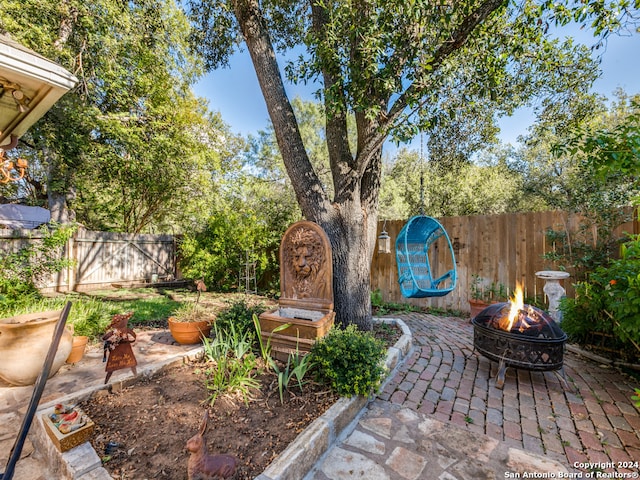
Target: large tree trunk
pixel 354 233
pixel 58 200
pixel 350 219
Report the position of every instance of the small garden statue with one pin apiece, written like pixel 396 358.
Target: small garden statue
pixel 204 466
pixel 117 345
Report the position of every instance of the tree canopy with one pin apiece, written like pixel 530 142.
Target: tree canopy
pixel 130 148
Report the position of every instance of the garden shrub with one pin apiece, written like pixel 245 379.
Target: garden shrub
pixel 21 271
pixel 349 361
pixel 608 303
pixel 239 316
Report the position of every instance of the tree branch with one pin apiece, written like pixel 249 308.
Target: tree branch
pixel 307 185
pixel 340 156
pixel 456 41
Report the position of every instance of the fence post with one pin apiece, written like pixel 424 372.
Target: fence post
pixel 71 268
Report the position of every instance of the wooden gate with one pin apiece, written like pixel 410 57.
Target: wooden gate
pixel 103 258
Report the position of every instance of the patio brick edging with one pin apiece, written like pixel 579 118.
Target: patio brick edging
pixel 299 458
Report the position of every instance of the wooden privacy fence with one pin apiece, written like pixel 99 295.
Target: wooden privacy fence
pixel 103 258
pixel 504 249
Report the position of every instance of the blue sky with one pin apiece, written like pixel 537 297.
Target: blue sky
pixel 235 93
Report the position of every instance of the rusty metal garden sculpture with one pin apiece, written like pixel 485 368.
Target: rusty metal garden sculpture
pixel 117 345
pixel 204 466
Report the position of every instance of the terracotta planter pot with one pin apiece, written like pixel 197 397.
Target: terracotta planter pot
pixel 476 306
pixel 77 348
pixel 24 343
pixel 188 333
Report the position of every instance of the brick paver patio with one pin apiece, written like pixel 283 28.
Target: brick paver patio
pixel 592 421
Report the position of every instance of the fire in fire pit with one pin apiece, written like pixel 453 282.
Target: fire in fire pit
pixel 519 335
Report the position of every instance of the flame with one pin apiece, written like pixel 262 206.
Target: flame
pixel 517 308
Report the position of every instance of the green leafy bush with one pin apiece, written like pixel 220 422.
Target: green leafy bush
pixel 240 315
pixel 608 303
pixel 349 361
pixel 21 271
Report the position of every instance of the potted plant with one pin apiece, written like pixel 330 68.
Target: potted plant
pixel 484 293
pixel 190 322
pixel 77 348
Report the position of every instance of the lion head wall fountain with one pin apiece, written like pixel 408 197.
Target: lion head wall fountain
pixel 306 285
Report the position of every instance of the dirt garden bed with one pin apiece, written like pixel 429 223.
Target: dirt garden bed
pixel 149 423
pixel 141 431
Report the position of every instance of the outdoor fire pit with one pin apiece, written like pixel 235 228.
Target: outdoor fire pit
pixel 519 335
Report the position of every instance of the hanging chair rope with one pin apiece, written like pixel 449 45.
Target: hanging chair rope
pixel 416 245
pixel 421 177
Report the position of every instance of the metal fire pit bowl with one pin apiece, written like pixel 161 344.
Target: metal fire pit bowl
pixel 538 347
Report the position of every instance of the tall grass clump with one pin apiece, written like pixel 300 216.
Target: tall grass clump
pixel 231 364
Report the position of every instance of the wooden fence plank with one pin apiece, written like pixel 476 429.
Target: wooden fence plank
pixel 103 258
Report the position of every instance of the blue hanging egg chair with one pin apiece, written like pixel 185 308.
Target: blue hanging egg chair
pixel 415 244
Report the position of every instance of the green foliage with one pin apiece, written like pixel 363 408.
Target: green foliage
pixel 614 148
pixel 636 398
pixel 297 367
pixel 351 362
pixel 297 364
pixel 608 303
pixel 578 251
pixel 218 251
pixel 233 364
pixel 564 166
pixel 23 270
pixel 376 299
pixel 131 147
pixel 240 316
pixel 381 308
pixel 90 316
pixel 252 208
pixel 486 291
pixel 451 187
pixel 265 348
pixel 300 366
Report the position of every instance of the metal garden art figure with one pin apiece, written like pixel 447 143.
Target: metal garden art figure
pixel 117 345
pixel 203 465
